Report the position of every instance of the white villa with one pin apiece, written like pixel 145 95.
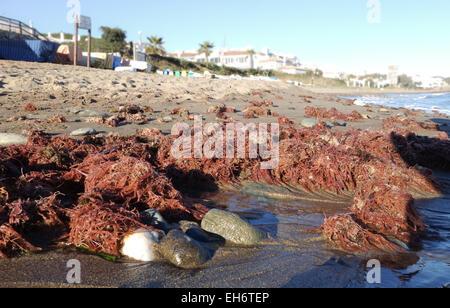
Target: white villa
pixel 241 58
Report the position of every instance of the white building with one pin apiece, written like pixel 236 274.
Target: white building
pixel 427 82
pixel 293 70
pixel 241 58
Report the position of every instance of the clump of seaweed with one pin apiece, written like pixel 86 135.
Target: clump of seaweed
pixel 347 234
pixel 332 114
pixel 388 210
pixel 12 243
pixel 30 108
pixel 391 124
pixel 253 111
pixel 100 226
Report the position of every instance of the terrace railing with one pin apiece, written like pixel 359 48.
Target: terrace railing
pixel 12 29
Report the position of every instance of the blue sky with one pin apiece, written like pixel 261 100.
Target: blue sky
pixel 334 34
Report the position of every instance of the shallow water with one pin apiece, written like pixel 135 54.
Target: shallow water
pixel 427 102
pixel 429 266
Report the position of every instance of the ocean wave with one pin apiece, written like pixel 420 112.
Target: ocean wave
pixel 429 103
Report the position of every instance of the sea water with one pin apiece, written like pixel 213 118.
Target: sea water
pixel 428 102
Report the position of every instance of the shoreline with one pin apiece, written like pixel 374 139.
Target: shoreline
pixel 373 92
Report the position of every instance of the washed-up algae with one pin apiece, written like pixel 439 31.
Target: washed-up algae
pixel 117 178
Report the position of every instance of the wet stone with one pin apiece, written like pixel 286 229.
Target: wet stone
pixel 12 139
pixel 232 228
pixel 194 231
pixel 153 218
pixel 183 251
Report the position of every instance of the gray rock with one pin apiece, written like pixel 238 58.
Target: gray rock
pixel 83 132
pixel 330 125
pixel 402 114
pixel 182 251
pixel 341 123
pixel 309 122
pixel 194 231
pixel 167 119
pixel 12 139
pixel 359 103
pixel 153 218
pixel 91 113
pixel 232 228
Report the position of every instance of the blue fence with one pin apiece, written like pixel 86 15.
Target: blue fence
pixel 28 50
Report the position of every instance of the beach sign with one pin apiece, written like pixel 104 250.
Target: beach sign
pixel 85 23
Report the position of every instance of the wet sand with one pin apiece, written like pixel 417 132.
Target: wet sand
pixel 290 259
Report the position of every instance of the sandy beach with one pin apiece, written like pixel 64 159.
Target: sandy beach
pixel 57 90
pixel 293 259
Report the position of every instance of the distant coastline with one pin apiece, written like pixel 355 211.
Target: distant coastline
pixel 374 92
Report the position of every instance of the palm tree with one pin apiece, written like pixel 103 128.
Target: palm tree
pixel 156 46
pixel 251 53
pixel 206 48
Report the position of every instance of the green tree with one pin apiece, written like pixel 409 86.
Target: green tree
pixel 405 81
pixel 206 48
pixel 114 39
pixel 156 46
pixel 251 53
pixel 318 73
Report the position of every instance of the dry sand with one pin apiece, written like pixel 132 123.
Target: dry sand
pixel 61 90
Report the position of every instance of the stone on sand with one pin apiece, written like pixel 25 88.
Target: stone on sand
pixel 91 113
pixel 193 230
pixel 140 245
pixel 232 228
pixel 359 103
pixel 183 251
pixel 86 131
pixel 309 122
pixel 153 218
pixel 7 139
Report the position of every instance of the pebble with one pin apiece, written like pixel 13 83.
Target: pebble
pixel 366 116
pixel 309 122
pixel 83 132
pixel 359 103
pixel 341 123
pixel 12 139
pixel 91 113
pixel 182 251
pixel 232 228
pixel 140 245
pixel 153 218
pixel 194 231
